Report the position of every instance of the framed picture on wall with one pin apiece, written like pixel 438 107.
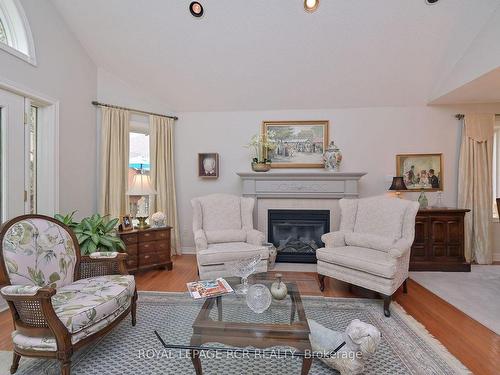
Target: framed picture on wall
pixel 299 144
pixel 208 165
pixel 421 171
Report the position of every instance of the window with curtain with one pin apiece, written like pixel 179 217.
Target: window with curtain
pixel 496 167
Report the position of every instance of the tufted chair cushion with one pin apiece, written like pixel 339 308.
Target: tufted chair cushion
pixel 39 252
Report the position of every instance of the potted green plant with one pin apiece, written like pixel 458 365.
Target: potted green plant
pixel 261 145
pixel 94 233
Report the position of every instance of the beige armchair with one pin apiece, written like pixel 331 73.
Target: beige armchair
pixel 223 231
pixel 372 247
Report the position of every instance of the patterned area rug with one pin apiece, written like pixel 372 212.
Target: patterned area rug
pixel 406 347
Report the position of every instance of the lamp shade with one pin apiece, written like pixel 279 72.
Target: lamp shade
pixel 141 185
pixel 398 184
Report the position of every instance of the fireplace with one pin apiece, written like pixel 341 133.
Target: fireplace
pixel 297 233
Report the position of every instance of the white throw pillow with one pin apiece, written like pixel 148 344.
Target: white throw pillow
pixel 370 241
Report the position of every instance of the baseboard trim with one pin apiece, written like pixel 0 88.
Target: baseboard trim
pixel 188 250
pixel 496 257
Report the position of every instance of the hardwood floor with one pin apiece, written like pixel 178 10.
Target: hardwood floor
pixel 474 345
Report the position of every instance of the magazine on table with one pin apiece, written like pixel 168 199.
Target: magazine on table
pixel 209 288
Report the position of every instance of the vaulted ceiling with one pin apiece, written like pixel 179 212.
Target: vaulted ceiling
pixel 263 54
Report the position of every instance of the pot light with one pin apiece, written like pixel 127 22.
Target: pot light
pixel 196 9
pixel 311 5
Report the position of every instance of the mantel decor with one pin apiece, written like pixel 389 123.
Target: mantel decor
pixel 298 144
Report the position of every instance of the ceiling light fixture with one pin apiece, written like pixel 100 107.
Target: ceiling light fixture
pixel 311 5
pixel 196 9
pixel 431 2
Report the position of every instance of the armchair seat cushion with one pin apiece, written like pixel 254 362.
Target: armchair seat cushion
pixel 225 252
pixel 86 302
pixel 371 261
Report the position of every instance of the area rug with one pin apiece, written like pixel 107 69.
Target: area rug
pixel 406 348
pixel 475 293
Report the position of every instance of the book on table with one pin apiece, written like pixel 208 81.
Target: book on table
pixel 209 288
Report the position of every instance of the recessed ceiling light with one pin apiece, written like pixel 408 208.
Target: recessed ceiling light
pixel 311 5
pixel 196 9
pixel 431 2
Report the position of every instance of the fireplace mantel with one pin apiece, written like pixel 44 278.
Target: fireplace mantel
pixel 292 183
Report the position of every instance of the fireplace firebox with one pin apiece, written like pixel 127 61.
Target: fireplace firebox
pixel 297 233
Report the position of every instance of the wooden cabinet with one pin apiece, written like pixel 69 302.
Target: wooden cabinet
pixel 147 248
pixel 439 241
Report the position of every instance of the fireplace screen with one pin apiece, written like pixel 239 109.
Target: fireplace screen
pixel 297 233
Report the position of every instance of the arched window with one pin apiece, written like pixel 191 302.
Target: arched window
pixel 15 32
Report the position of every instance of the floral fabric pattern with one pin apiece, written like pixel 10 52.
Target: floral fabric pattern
pixel 86 302
pixel 49 343
pixel 20 290
pixel 39 252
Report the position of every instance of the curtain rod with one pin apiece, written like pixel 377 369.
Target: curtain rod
pixel 460 116
pixel 96 103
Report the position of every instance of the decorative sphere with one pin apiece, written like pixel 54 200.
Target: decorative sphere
pixel 258 298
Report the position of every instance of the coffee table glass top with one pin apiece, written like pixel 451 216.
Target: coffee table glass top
pixel 227 323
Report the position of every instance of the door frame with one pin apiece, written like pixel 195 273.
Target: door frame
pixel 48 155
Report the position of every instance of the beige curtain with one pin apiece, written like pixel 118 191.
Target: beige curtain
pixel 475 184
pixel 161 148
pixel 114 162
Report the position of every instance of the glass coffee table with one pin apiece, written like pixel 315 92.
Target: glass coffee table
pixel 227 324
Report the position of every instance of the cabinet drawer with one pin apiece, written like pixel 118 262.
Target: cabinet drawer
pixel 153 246
pixel 129 238
pixel 132 263
pixel 147 259
pixel 154 235
pixel 131 249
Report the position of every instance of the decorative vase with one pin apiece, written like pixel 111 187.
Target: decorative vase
pixel 422 200
pixel 279 290
pixel 261 166
pixel 332 157
pixel 439 199
pixel 258 298
pixel 272 254
pixel 158 220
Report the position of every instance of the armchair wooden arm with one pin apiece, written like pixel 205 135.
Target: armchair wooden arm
pixel 34 315
pixel 92 267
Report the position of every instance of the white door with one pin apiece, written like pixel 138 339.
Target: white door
pixel 17 156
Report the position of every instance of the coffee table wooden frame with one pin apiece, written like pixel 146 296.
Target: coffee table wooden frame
pixel 259 335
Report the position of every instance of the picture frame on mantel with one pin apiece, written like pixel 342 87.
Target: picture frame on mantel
pixel 208 165
pixel 299 144
pixel 421 171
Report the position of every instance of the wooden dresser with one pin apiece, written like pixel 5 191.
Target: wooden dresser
pixel 439 240
pixel 147 248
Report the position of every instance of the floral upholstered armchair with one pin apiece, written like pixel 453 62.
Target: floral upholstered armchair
pixel 59 300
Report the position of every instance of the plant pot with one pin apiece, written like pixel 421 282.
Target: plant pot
pixel 261 167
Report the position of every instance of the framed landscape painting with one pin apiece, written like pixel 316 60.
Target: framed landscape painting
pixel 421 171
pixel 298 144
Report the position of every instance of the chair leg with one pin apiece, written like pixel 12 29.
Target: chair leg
pixel 321 282
pixel 134 308
pixel 405 287
pixel 66 367
pixel 387 302
pixel 15 362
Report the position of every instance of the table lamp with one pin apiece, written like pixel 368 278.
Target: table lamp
pixel 141 186
pixel 397 185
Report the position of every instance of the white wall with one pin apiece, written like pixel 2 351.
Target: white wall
pixel 66 73
pixel 368 137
